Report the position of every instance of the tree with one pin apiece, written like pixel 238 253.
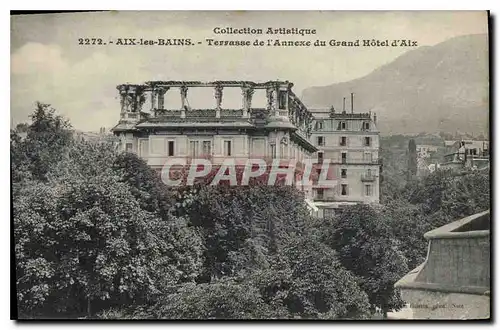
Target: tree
pixel 225 299
pixel 22 128
pixel 304 280
pixel 445 196
pixel 412 159
pixel 239 221
pixel 145 184
pixel 307 279
pixel 408 224
pixel 83 242
pixel 367 248
pixel 47 137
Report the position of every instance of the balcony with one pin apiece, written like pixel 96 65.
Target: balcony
pixel 353 161
pixel 454 280
pixel 324 199
pixel 368 177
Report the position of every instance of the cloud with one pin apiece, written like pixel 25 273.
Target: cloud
pixel 35 58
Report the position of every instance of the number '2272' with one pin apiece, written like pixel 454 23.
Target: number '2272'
pixel 90 41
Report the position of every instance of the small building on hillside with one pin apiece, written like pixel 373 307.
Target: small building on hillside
pixel 468 154
pixel 426 151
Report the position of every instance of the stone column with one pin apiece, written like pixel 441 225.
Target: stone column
pixel 218 96
pixel 272 100
pixel 161 97
pixel 270 96
pixel 218 100
pixel 291 113
pixel 153 99
pixel 123 98
pixel 247 93
pixel 184 91
pixel 132 99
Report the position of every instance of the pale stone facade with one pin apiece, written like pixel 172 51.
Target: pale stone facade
pixel 280 130
pixel 350 143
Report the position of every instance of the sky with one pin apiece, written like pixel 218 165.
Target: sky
pixel 48 64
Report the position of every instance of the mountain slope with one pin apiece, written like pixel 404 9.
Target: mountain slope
pixel 433 88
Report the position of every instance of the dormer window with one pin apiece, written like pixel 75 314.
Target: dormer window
pixel 319 125
pixel 366 126
pixel 342 125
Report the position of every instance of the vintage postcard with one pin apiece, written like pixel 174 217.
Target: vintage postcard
pixel 250 165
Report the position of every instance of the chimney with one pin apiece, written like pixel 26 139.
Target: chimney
pixel 375 117
pixel 352 102
pixel 343 105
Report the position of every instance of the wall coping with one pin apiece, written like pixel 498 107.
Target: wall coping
pixel 450 230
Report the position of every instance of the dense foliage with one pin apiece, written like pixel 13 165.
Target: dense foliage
pixel 412 159
pixel 416 204
pixel 98 234
pixel 85 237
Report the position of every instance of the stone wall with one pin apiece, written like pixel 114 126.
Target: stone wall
pixel 442 305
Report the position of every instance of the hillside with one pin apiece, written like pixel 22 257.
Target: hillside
pixel 432 88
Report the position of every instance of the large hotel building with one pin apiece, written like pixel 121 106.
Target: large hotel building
pixel 280 127
pixel 349 142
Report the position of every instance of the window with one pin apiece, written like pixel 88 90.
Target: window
pixel 129 147
pixel 367 141
pixel 367 157
pixel 319 194
pixel 207 148
pixel 193 148
pixel 283 150
pixel 343 141
pixel 368 190
pixel 273 150
pixel 171 148
pixel 320 157
pixel 227 148
pixel 344 190
pixel 366 126
pixel 344 157
pixel 343 173
pixel 369 173
pixel 319 125
pixel 320 141
pixel 343 125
